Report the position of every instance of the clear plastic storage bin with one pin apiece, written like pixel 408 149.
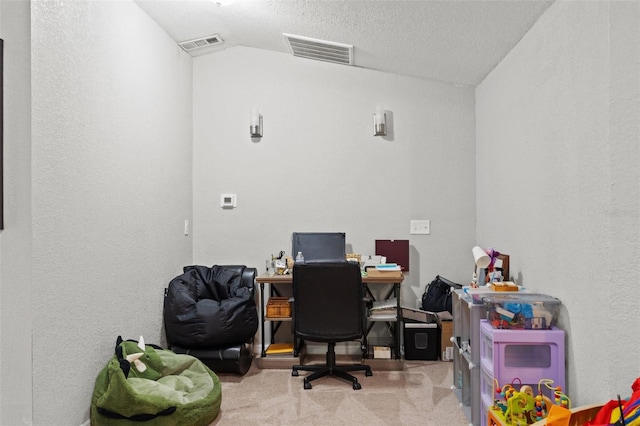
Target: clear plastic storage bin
pixel 522 311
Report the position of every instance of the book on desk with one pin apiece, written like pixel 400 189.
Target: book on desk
pixel 388 267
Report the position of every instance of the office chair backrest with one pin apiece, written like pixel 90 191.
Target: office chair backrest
pixel 328 301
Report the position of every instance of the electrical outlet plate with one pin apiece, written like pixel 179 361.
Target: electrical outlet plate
pixel 420 227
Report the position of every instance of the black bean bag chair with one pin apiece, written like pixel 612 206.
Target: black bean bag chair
pixel 210 312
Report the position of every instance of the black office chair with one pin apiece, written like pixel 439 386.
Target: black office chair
pixel 329 307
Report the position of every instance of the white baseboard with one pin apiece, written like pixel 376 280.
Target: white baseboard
pixel 86 423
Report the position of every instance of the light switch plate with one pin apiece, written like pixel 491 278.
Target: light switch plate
pixel 420 227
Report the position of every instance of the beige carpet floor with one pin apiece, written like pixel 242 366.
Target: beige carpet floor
pixel 419 395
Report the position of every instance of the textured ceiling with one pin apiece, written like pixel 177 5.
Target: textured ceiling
pixel 453 41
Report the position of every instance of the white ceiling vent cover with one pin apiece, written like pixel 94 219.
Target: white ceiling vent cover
pixel 199 43
pixel 320 50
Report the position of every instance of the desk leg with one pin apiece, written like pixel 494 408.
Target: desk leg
pixel 396 291
pixel 263 352
pixel 367 326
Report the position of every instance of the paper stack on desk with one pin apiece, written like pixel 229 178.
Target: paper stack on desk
pixel 388 267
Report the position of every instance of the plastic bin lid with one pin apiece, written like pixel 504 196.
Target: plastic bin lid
pixel 520 298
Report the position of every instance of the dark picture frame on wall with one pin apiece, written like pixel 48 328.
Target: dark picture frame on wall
pixel 1 133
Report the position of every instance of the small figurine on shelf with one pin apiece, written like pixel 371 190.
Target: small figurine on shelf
pixel 495 275
pixel 493 256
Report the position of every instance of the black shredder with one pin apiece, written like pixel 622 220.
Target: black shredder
pixel 421 341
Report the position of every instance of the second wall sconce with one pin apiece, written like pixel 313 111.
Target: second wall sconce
pixel 380 122
pixel 255 128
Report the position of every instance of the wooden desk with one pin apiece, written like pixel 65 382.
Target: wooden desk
pixel 373 277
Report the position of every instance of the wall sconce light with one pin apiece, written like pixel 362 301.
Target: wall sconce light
pixel 380 122
pixel 255 128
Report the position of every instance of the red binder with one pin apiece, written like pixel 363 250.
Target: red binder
pixel 396 251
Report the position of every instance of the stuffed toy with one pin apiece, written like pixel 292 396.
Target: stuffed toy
pixel 610 413
pixel 145 383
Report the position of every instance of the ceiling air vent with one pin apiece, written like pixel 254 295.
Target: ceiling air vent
pixel 199 43
pixel 320 50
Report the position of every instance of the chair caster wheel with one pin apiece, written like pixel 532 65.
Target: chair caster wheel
pixel 357 386
pixel 368 373
pixel 307 385
pixel 295 373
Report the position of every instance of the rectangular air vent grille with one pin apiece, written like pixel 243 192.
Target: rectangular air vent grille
pixel 320 50
pixel 198 43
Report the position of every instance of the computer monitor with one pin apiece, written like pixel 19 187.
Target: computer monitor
pixel 319 246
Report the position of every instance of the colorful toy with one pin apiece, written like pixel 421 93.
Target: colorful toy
pixel 516 404
pixel 543 403
pixel 520 406
pixel 513 406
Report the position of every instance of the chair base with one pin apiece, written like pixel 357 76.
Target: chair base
pixel 331 369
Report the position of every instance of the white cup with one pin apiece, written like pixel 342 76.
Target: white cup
pixel 270 268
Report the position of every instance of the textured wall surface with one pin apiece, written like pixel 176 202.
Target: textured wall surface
pixel 111 183
pixel 15 239
pixel 624 211
pixel 318 167
pixel 557 181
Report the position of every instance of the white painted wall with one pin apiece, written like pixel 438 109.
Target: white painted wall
pixel 558 184
pixel 15 239
pixel 111 188
pixel 100 182
pixel 318 167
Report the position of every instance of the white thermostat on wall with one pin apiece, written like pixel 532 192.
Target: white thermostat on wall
pixel 228 201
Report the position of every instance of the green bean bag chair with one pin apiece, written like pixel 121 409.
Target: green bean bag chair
pixel 154 387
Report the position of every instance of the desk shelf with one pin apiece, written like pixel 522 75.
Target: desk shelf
pixel 382 319
pixel 378 278
pixel 277 284
pixel 283 319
